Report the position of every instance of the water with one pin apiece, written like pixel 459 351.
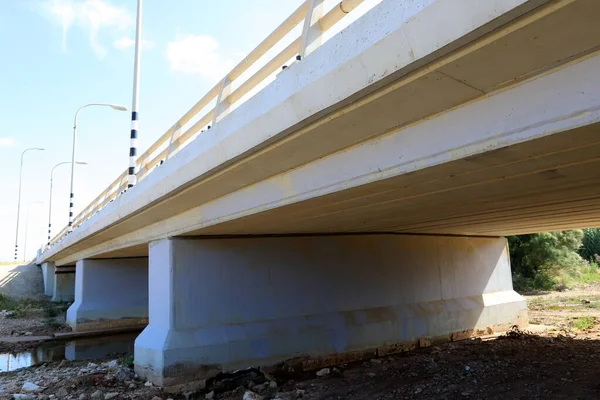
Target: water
pixel 77 349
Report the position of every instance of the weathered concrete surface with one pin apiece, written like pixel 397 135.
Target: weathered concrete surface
pixel 387 72
pixel 109 294
pixel 64 285
pixel 232 303
pixel 48 270
pixel 21 280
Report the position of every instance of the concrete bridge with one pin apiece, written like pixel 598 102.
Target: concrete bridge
pixel 357 202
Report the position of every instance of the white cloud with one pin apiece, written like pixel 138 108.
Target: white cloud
pixel 199 55
pixel 92 16
pixel 125 43
pixel 7 142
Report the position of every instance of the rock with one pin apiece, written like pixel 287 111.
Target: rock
pixel 62 393
pixel 148 384
pixel 43 397
pixel 111 395
pixel 156 398
pixel 83 396
pixel 467 368
pixel 375 361
pixel 371 375
pixel 132 386
pixel 97 395
pixel 424 342
pixel 323 372
pixel 92 365
pixel 30 387
pixel 63 364
pixel 251 396
pixel 28 333
pixel 111 364
pixel 272 385
pixel 299 393
pixel 210 396
pixel 18 396
pixel 124 374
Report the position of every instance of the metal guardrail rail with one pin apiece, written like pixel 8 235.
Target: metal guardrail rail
pixel 227 94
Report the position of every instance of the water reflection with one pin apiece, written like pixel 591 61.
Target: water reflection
pixel 78 349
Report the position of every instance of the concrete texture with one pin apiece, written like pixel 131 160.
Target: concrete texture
pixel 48 270
pixel 233 303
pixel 387 71
pixel 110 294
pixel 64 285
pixel 21 281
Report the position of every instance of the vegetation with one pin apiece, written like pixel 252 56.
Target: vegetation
pixel 553 260
pixel 583 323
pixel 590 247
pixel 26 307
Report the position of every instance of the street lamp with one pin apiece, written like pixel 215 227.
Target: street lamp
pixel 71 197
pixel 26 225
pixel 50 200
pixel 19 201
pixel 131 180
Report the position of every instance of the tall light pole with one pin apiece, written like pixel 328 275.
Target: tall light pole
pixel 50 200
pixel 71 196
pixel 26 225
pixel 19 201
pixel 131 179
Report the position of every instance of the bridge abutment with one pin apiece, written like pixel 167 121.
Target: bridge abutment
pixel 222 304
pixel 110 293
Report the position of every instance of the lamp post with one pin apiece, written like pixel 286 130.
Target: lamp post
pixel 71 196
pixel 19 198
pixel 50 200
pixel 26 226
pixel 131 179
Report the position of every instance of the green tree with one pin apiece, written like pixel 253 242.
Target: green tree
pixel 591 244
pixel 538 259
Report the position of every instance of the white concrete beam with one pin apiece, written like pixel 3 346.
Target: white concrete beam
pixel 563 99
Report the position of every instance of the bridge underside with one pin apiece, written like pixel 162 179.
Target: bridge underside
pixel 497 138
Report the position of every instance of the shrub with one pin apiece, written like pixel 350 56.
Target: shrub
pixel 591 244
pixel 545 260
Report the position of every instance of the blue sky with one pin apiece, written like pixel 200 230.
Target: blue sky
pixel 61 54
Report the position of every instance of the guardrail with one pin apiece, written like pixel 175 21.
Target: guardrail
pixel 227 94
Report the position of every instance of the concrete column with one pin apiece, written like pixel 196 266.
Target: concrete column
pixel 64 284
pixel 48 269
pixel 233 303
pixel 110 293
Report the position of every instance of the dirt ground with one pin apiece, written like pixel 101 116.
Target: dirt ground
pixel 560 360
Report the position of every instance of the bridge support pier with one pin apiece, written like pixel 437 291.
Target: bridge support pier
pixel 222 304
pixel 48 269
pixel 110 293
pixel 64 284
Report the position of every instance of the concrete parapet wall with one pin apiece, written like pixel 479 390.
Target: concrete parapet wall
pixel 110 293
pixel 232 303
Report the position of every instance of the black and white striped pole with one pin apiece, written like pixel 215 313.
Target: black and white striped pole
pixel 131 177
pixel 71 195
pixel 50 199
pixel 19 198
